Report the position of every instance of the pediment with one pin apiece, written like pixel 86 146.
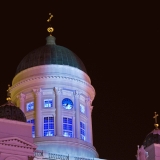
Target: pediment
pixel 15 141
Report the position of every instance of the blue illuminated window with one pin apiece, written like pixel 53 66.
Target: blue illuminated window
pixel 82 108
pixel 47 103
pixel 48 126
pixel 30 106
pixel 33 126
pixel 67 103
pixel 67 127
pixel 82 131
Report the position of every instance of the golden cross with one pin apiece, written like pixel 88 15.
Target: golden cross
pixel 49 19
pixel 155 117
pixel 50 29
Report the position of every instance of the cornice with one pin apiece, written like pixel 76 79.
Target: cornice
pixel 21 96
pixel 14 145
pixel 20 143
pixel 51 77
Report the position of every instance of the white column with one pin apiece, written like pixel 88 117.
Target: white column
pixel 89 121
pixel 58 106
pixel 38 115
pixel 77 109
pixel 21 101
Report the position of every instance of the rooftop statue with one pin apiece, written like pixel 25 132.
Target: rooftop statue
pixel 141 153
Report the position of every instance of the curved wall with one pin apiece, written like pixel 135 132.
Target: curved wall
pixel 56 83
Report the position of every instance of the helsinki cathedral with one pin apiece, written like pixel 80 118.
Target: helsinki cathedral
pixel 48 113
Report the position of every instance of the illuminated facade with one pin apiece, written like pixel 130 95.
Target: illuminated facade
pixel 16 142
pixel 54 91
pixel 52 88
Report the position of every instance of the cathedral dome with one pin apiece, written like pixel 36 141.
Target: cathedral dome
pixel 151 138
pixel 10 111
pixel 50 54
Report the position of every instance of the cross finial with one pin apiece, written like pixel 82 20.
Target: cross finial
pixel 155 117
pixel 49 19
pixel 50 29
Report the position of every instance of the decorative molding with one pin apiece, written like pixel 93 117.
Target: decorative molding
pixel 67 92
pixel 76 94
pixel 58 156
pixel 47 111
pixel 21 96
pixel 52 77
pixel 16 142
pixel 37 92
pixel 13 145
pixel 57 90
pixel 47 92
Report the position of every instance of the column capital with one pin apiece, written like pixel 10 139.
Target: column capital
pixel 21 96
pixel 57 90
pixel 37 91
pixel 88 100
pixel 76 94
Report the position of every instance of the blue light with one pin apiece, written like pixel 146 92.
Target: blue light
pixel 67 127
pixel 82 108
pixel 48 103
pixel 30 106
pixel 48 126
pixel 82 131
pixel 33 126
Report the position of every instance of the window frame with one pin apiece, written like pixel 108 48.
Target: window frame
pixel 49 99
pixel 81 105
pixel 32 109
pixel 68 125
pixel 82 131
pixel 48 129
pixel 32 121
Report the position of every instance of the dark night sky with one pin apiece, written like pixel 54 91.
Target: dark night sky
pixel 119 45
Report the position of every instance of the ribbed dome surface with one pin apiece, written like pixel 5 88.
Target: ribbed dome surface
pixel 153 137
pixel 50 54
pixel 10 111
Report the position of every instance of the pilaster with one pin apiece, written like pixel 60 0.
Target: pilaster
pixel 89 121
pixel 21 101
pixel 58 106
pixel 38 115
pixel 77 115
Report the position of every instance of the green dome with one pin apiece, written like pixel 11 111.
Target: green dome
pixel 151 138
pixel 50 54
pixel 11 112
